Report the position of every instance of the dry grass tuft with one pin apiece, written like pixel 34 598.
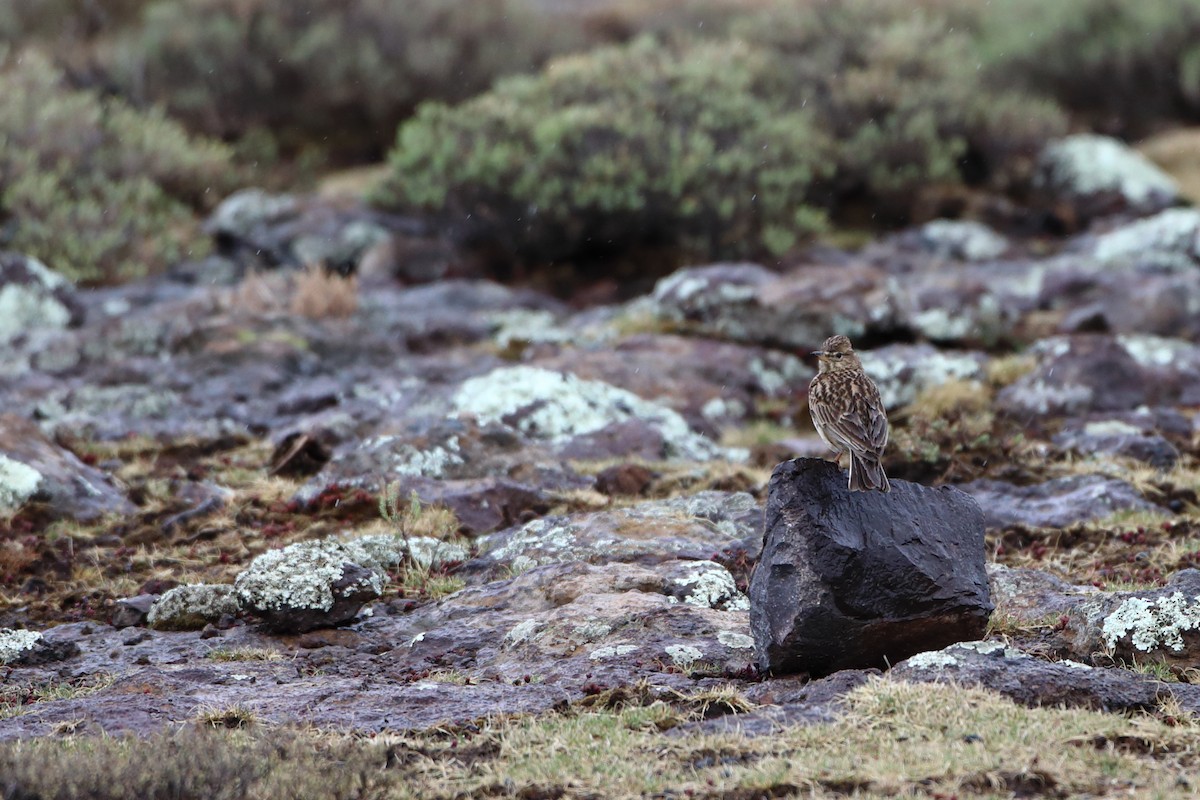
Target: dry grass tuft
pixel 313 292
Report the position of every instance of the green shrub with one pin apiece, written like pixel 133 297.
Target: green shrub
pixel 64 19
pixel 896 86
pixel 99 191
pixel 703 147
pixel 725 148
pixel 339 73
pixel 1124 66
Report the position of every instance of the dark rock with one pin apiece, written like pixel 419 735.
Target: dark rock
pixel 1055 503
pixel 35 469
pixel 301 454
pixel 633 438
pixel 1032 596
pixel 130 611
pixel 624 480
pixel 45 651
pixel 849 580
pixel 1035 683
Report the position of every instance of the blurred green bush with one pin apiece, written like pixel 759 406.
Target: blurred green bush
pixel 1122 66
pixel 98 190
pixel 338 74
pixel 725 148
pixel 705 146
pixel 64 20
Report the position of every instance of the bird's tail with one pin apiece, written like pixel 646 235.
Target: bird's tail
pixel 867 474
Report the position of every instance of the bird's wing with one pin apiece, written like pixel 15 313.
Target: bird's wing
pixel 862 425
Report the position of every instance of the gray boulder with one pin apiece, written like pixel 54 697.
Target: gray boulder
pixel 1099 175
pixel 1055 503
pixel 852 580
pixel 35 469
pixel 33 296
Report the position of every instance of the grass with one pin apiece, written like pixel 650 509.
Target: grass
pixel 244 654
pixel 16 699
pixel 896 739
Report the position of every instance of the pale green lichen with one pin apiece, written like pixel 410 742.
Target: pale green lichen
pixel 735 640
pixel 18 483
pixel 24 307
pixel 709 585
pixel 407 460
pixel 1153 624
pixel 683 655
pixel 15 642
pixel 962 239
pixel 612 651
pixel 521 633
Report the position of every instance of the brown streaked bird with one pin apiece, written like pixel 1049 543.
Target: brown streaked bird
pixel 848 413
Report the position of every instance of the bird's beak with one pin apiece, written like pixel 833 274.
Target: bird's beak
pixel 818 353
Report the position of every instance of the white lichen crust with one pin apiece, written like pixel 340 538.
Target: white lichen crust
pixel 709 585
pixel 559 406
pixel 1153 624
pixel 18 482
pixel 302 575
pixel 13 643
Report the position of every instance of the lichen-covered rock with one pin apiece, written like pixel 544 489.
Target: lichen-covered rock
pixel 15 643
pixel 1055 503
pixel 1083 374
pixel 389 550
pixel 1116 437
pixel 1169 240
pixel 706 584
pixel 192 607
pixel 1036 682
pixel 1155 625
pixel 556 406
pixel 749 303
pixel 962 240
pixel 1100 174
pixel 33 468
pixel 309 585
pixel 903 371
pixel 699 526
pixel 33 297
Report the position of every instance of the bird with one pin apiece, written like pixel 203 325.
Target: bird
pixel 848 413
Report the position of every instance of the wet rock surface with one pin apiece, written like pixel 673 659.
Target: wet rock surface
pixel 852 580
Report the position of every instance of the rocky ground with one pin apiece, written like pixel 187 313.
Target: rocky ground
pixel 378 505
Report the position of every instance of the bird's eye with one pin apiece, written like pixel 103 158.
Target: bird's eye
pixel 837 356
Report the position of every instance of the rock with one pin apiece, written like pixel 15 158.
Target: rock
pixel 1101 175
pixel 556 406
pixel 13 644
pixel 785 705
pixel 308 585
pixel 1055 503
pixel 849 580
pixel 749 303
pixel 1169 240
pixel 705 584
pixel 624 480
pixel 131 611
pixel 1115 437
pixel 1082 374
pixel 1156 625
pixel 33 297
pixel 699 526
pixel 1032 596
pixel 35 469
pixel 1035 682
pixel 192 607
pixel 903 371
pixel 961 240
